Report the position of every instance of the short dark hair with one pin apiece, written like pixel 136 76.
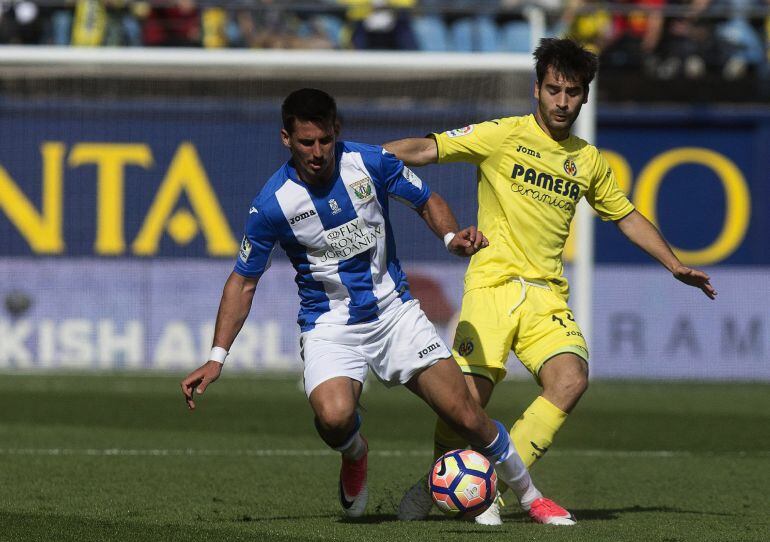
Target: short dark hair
pixel 308 104
pixel 566 57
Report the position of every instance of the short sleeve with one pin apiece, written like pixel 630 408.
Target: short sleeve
pixel 604 195
pixel 256 246
pixel 473 143
pixel 402 183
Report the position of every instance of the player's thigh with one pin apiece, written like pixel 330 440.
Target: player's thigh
pixel 404 344
pixel 440 385
pixel 485 331
pixel 327 352
pixel 547 328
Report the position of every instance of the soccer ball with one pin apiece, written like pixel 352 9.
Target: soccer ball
pixel 463 483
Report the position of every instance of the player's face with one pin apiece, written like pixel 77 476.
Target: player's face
pixel 312 149
pixel 558 103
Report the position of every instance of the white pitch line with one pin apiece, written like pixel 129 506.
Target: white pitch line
pixel 162 452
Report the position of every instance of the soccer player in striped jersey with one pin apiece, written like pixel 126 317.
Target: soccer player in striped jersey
pixel 327 207
pixel 531 174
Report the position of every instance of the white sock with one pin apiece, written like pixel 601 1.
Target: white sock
pixel 354 448
pixel 514 473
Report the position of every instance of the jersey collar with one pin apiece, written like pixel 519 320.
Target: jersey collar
pixel 566 144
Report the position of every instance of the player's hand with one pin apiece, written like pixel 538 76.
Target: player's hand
pixel 468 242
pixel 696 278
pixel 198 380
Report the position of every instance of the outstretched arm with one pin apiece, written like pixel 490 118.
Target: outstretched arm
pixel 646 236
pixel 234 307
pixel 440 219
pixel 414 151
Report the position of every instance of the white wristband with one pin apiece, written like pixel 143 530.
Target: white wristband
pixel 218 354
pixel 448 239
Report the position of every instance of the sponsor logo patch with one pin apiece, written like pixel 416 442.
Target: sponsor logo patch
pixel 546 181
pixel 458 132
pixel 243 254
pixel 348 240
pixel 412 177
pixel 334 206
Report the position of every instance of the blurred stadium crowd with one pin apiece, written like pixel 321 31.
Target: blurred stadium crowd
pixel 662 39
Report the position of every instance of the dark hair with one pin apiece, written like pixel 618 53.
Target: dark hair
pixel 566 57
pixel 308 104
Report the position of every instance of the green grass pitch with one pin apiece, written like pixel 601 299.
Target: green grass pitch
pixel 118 457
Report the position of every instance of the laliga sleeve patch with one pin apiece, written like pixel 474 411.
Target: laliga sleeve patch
pixel 465 130
pixel 412 177
pixel 243 254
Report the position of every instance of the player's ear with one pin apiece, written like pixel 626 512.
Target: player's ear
pixel 585 94
pixel 536 92
pixel 285 138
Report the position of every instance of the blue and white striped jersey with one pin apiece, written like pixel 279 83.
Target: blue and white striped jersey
pixel 338 237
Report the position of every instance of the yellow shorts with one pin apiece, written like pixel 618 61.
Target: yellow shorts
pixel 540 326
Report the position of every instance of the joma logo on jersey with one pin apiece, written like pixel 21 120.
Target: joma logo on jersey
pixel 547 181
pixel 525 150
pixel 425 351
pixel 302 216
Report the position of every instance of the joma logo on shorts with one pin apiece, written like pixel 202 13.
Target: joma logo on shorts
pixel 424 352
pixel 302 216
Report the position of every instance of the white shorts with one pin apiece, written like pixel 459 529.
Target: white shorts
pixel 401 343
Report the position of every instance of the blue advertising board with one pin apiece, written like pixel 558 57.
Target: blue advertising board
pixel 148 181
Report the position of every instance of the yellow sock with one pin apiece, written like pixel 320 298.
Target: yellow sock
pixel 533 433
pixel 445 439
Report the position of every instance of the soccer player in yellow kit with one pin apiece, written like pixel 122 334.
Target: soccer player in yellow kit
pixel 531 174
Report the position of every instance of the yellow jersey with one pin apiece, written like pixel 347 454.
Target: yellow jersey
pixel 528 188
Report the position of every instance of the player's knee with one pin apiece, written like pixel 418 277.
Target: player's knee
pixel 335 417
pixel 571 384
pixel 578 385
pixel 565 383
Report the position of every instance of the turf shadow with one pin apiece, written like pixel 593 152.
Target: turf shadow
pixel 370 519
pixel 246 518
pixel 607 514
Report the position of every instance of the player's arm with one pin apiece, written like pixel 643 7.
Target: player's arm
pixel 441 220
pixel 414 151
pixel 234 308
pixel 646 236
